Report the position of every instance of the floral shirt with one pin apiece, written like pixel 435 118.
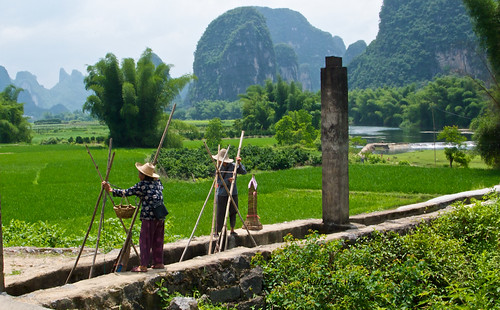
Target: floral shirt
pixel 150 192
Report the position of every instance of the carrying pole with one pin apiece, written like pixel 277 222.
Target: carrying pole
pixel 91 221
pixel 129 234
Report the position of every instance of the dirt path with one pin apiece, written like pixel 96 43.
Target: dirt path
pixel 22 263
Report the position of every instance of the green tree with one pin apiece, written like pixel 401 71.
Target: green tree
pixel 131 100
pixel 296 127
pixel 14 127
pixel 456 152
pixel 214 133
pixel 486 20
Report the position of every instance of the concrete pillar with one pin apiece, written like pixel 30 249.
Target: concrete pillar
pixel 335 143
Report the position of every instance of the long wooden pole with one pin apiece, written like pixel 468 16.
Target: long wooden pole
pixel 212 229
pixel 230 194
pixel 110 198
pixel 232 201
pixel 101 220
pixel 129 234
pixel 199 216
pixel 91 221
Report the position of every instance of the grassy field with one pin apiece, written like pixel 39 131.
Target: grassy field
pixel 59 184
pixel 66 131
pixel 431 158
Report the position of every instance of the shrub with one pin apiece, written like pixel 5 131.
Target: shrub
pixel 451 263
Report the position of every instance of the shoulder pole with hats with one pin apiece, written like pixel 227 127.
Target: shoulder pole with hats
pixel 129 235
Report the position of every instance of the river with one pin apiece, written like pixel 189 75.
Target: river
pixel 420 140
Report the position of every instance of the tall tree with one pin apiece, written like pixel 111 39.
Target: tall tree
pixel 131 99
pixel 14 127
pixel 486 20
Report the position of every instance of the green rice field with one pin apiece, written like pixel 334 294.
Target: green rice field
pixel 59 184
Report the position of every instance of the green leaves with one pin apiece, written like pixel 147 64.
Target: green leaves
pixel 449 263
pixel 14 127
pixel 131 99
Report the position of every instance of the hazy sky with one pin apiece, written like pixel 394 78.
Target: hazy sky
pixel 43 36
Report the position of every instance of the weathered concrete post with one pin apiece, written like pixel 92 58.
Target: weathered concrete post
pixel 335 143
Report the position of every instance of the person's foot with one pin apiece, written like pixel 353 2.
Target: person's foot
pixel 233 233
pixel 139 269
pixel 158 266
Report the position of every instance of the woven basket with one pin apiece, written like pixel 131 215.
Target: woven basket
pixel 124 211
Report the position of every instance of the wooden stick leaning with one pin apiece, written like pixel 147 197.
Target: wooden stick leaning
pixel 92 220
pixel 129 234
pixel 231 197
pixel 199 216
pixel 212 229
pixel 109 195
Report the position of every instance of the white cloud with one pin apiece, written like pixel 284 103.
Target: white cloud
pixel 44 36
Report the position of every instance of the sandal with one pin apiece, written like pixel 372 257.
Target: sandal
pixel 159 266
pixel 139 269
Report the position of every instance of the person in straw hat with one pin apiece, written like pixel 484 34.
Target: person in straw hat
pixel 227 171
pixel 153 212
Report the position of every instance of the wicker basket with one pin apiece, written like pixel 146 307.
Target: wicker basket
pixel 124 211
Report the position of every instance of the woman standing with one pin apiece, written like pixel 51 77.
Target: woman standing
pixel 150 191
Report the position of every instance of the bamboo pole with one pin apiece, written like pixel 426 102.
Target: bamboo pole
pixel 101 220
pixel 129 234
pixel 230 197
pixel 110 198
pixel 199 216
pixel 91 221
pixel 212 229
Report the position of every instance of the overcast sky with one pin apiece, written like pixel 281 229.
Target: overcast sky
pixel 43 36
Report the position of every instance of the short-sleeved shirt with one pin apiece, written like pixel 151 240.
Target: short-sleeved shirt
pixel 227 172
pixel 150 192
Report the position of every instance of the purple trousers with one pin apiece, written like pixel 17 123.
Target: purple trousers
pixel 151 242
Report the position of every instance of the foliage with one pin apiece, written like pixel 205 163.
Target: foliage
pixel 14 127
pixel 296 128
pixel 445 101
pixel 484 14
pixel 457 150
pixel 414 41
pixel 207 109
pixel 214 133
pixel 264 106
pixel 131 99
pixel 43 234
pixel 450 263
pixel 487 137
pixel 189 164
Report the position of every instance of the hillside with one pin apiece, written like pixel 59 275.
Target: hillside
pixel 247 45
pixel 416 41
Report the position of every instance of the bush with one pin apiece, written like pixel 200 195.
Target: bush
pixel 451 263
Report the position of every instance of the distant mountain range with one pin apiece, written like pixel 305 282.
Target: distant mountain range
pixel 67 95
pixel 417 40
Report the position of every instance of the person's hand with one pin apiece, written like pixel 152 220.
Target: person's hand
pixel 106 186
pixel 238 159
